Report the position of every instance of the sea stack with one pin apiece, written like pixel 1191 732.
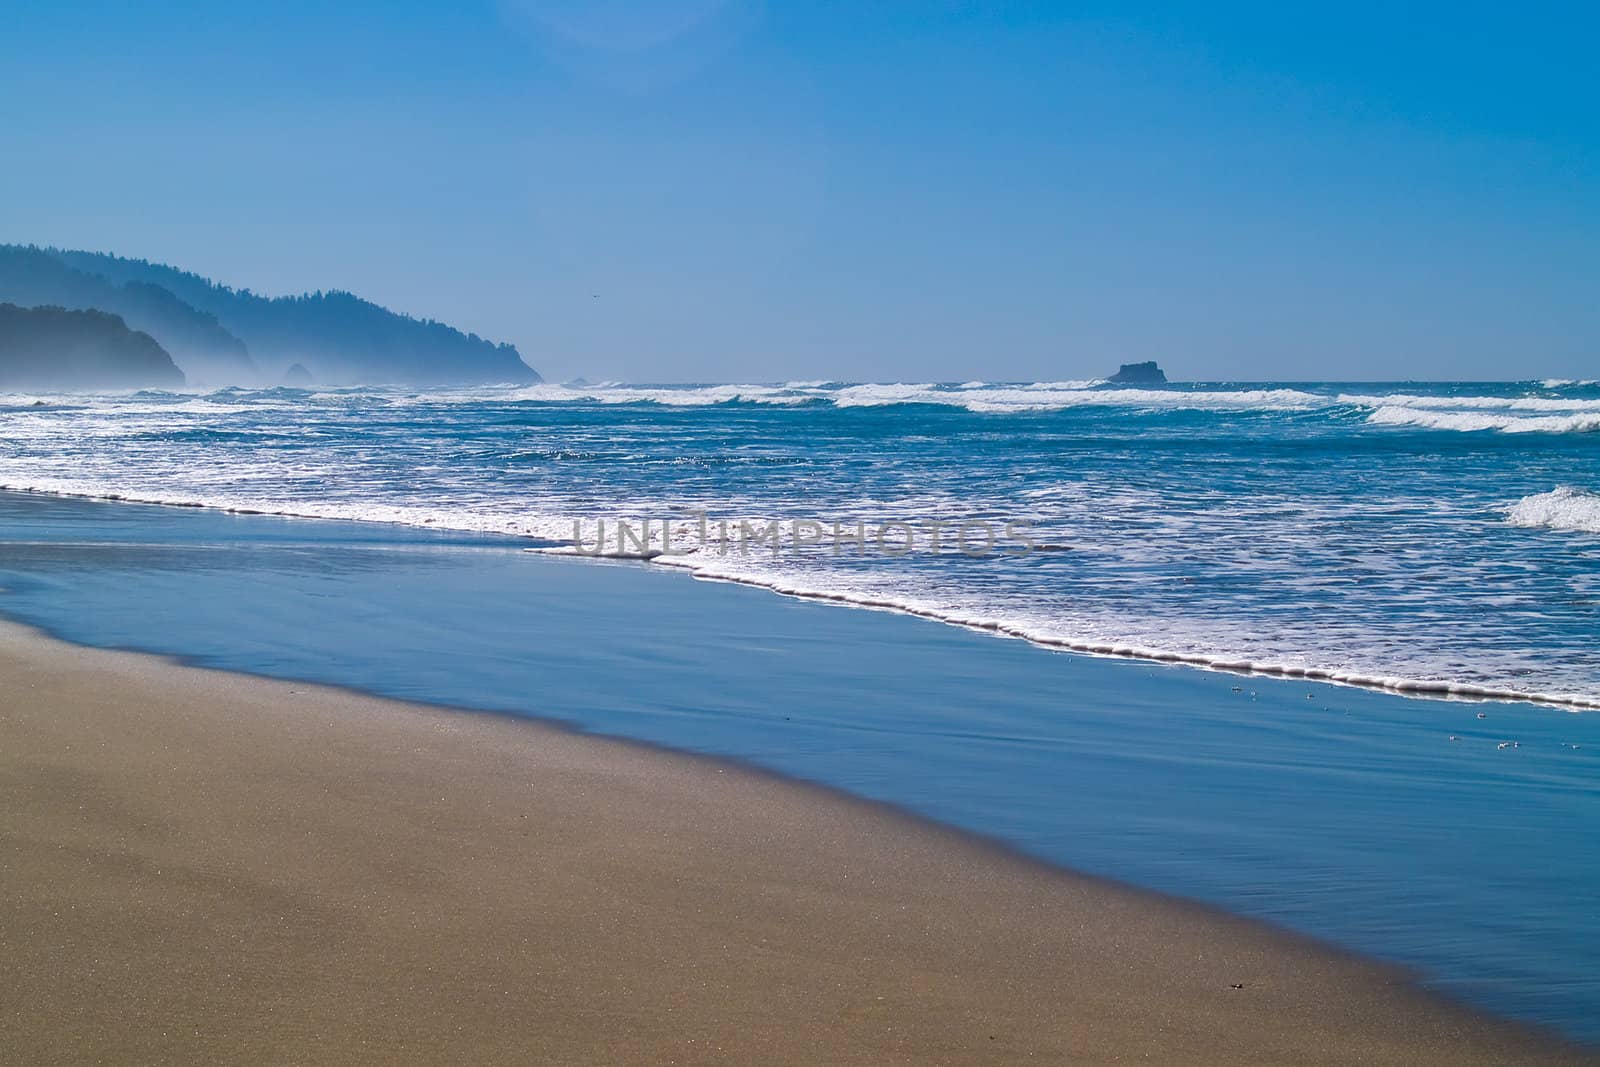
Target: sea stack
pixel 1139 374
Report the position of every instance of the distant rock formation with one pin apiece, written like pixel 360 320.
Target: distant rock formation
pixel 1139 374
pixel 297 375
pixel 60 348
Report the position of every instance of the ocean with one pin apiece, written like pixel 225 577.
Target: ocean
pixel 1308 544
pixel 1439 538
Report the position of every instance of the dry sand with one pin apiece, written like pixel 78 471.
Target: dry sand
pixel 198 867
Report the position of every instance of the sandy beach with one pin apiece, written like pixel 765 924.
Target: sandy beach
pixel 200 867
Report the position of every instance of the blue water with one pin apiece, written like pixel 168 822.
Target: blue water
pixel 1442 535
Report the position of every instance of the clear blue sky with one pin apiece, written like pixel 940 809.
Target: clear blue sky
pixel 691 190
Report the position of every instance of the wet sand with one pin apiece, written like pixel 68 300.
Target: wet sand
pixel 198 867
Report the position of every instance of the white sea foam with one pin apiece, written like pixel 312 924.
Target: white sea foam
pixel 975 396
pixel 1564 508
pixel 552 528
pixel 1542 404
pixel 665 395
pixel 979 396
pixel 1060 396
pixel 1476 414
pixel 1050 637
pixel 1478 421
pixel 1085 383
pixel 1569 507
pixel 876 395
pixel 392 457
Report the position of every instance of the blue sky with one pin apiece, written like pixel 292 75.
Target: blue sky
pixel 681 190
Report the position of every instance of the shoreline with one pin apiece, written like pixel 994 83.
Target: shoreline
pixel 1409 688
pixel 13 630
pixel 216 848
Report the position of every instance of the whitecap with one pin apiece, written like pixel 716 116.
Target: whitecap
pixel 1472 403
pixel 1564 508
pixel 1478 421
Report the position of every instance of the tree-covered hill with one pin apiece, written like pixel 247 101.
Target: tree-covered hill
pixel 201 346
pixel 336 336
pixel 60 348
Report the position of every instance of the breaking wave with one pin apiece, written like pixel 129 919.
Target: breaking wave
pixel 975 396
pixel 1472 421
pixel 1263 529
pixel 1564 508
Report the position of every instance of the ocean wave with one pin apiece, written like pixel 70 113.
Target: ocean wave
pixel 1476 412
pixel 557 534
pixel 1564 508
pixel 1030 397
pixel 545 528
pixel 1543 404
pixel 975 396
pixel 1083 383
pixel 1164 559
pixel 1043 637
pixel 29 401
pixel 1479 421
pixel 669 396
pixel 1042 397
